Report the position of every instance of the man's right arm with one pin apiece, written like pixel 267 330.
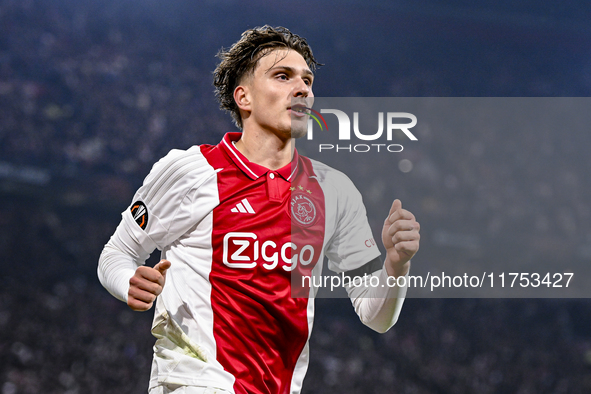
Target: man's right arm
pixel 164 209
pixel 122 273
pixel 122 256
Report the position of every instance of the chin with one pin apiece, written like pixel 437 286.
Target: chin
pixel 299 132
pixel 298 129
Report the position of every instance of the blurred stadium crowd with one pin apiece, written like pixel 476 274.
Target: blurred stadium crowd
pixel 92 96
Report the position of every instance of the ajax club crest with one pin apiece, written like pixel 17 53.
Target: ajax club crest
pixel 303 209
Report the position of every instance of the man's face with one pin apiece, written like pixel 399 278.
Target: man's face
pixel 281 79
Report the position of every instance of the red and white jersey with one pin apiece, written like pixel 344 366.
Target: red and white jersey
pixel 226 317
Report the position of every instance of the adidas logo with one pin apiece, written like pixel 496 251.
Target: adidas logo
pixel 243 207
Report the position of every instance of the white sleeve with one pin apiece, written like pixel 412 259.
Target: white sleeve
pixel 351 244
pixel 167 199
pixel 378 307
pixel 120 258
pixel 352 250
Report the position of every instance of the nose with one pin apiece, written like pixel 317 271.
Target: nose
pixel 302 89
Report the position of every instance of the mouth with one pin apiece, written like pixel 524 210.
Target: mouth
pixel 298 110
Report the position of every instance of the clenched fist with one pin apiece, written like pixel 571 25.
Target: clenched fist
pixel 400 236
pixel 145 285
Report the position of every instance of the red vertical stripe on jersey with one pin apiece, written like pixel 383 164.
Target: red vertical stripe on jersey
pixel 260 330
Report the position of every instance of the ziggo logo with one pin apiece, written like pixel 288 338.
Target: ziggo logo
pixel 241 252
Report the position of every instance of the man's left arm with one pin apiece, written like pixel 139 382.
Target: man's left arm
pixel 400 236
pixel 379 306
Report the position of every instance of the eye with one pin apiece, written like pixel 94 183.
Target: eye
pixel 282 77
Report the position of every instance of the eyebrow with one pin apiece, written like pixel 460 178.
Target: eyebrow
pixel 292 70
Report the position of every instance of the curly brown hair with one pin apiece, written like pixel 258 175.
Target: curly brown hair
pixel 242 57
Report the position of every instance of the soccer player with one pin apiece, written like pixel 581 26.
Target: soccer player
pixel 234 221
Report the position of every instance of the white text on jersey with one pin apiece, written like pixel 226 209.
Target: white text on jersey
pixel 242 250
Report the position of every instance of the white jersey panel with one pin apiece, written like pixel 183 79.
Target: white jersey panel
pixel 185 352
pixel 299 373
pixel 180 194
pixel 169 193
pixel 348 238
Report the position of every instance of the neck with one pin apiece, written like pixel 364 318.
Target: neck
pixel 266 149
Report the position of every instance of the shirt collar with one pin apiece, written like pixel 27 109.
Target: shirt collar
pixel 253 170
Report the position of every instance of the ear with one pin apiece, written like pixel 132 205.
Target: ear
pixel 242 98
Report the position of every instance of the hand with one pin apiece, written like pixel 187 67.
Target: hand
pixel 400 236
pixel 145 285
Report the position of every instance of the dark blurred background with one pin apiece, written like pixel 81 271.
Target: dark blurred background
pixel 93 92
